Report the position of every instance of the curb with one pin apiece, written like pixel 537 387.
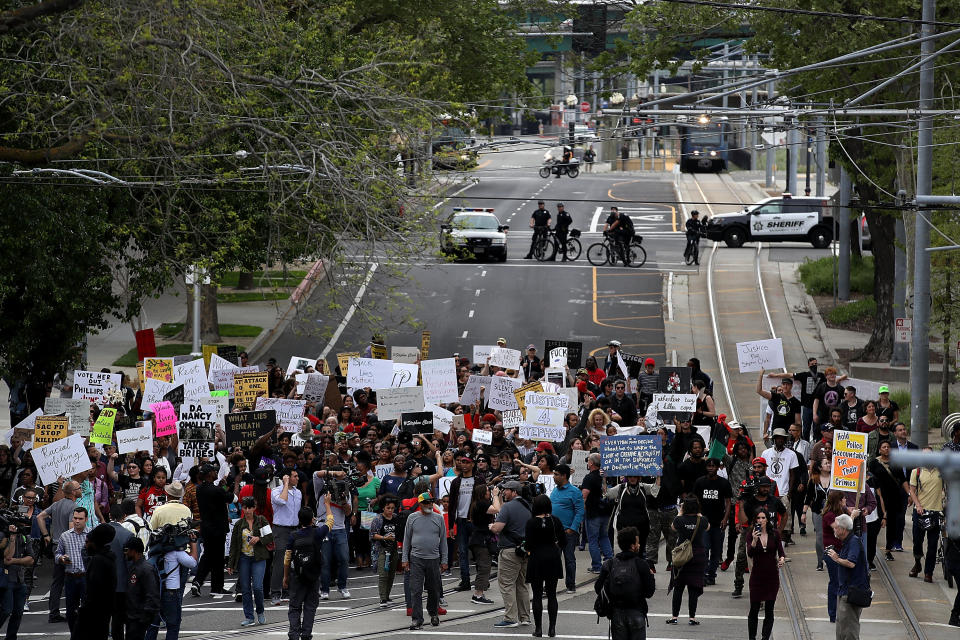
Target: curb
pixel 266 339
pixel 821 326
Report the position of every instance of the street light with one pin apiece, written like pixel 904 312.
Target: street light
pixel 806 189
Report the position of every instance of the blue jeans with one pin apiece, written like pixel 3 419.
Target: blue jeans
pixel 806 420
pixel 599 541
pixel 464 529
pixel 171 610
pixel 714 550
pixel 335 542
pixel 833 571
pixel 12 607
pixel 250 576
pixel 570 561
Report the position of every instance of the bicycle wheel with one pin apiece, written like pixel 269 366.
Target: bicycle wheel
pixel 636 256
pixel 573 249
pixel 538 249
pixel 598 254
pixel 546 249
pixel 544 172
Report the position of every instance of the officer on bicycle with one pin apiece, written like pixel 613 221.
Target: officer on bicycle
pixel 540 223
pixel 695 229
pixel 564 220
pixel 620 226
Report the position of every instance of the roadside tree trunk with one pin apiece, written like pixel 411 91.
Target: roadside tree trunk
pixel 245 281
pixel 882 236
pixel 209 321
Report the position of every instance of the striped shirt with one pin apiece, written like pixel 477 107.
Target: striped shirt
pixel 71 544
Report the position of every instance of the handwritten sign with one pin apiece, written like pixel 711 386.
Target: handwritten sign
pixel 471 390
pixel 247 387
pixel 505 358
pixel 500 395
pixel 369 372
pixel 154 390
pixel 343 361
pixel 94 385
pixel 442 419
pixel 404 375
pixel 405 355
pixel 760 354
pixel 193 377
pixel 545 409
pixel 164 418
pixel 77 409
pixel 221 404
pixel 103 428
pixel 631 455
pixel 289 412
pixel 135 439
pixel 315 387
pixel 243 429
pixel 47 429
pixel 158 368
pixel 482 437
pixel 65 457
pixel 417 422
pixel 439 381
pixel 197 421
pixel 558 357
pixel 521 393
pixel 392 403
pixel 481 352
pixel 512 418
pixel 578 465
pixel 537 432
pixel 299 363
pixel 574 351
pixel 673 405
pixel 849 460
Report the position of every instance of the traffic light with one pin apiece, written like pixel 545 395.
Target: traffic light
pixel 570 125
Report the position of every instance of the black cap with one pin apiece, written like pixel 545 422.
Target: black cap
pixel 765 481
pixel 133 544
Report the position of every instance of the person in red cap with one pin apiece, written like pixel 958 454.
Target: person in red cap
pixel 647 381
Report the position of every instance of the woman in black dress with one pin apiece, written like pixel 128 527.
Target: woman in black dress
pixel 766 550
pixel 544 540
pixel 690 525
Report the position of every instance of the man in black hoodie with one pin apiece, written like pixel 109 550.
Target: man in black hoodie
pixel 628 582
pixel 143 590
pixel 96 610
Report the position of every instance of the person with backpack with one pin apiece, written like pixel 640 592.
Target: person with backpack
pixel 690 559
pixel 626 582
pixel 301 573
pixel 383 533
pixel 544 538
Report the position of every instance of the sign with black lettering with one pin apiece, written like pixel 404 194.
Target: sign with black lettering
pixel 245 428
pixel 574 351
pixel 417 421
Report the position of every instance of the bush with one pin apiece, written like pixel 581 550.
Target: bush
pixel 817 275
pixel 902 398
pixel 853 311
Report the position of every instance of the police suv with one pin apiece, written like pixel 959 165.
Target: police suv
pixel 778 219
pixel 474 232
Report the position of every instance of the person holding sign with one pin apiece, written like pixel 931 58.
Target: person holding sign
pixel 785 408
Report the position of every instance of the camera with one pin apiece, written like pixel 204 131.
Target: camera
pixel 530 489
pixel 9 517
pixel 749 486
pixel 173 537
pixel 828 548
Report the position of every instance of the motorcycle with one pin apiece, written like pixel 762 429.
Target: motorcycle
pixel 558 168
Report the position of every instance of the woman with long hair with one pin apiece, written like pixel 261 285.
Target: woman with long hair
pixel 765 548
pixel 869 421
pixel 815 498
pixel 597 422
pixel 833 507
pixel 690 525
pixel 481 513
pixel 544 538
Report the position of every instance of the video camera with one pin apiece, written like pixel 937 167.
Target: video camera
pixel 341 488
pixel 9 517
pixel 173 537
pixel 530 489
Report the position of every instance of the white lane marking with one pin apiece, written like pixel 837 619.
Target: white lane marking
pixel 483 273
pixel 464 335
pixel 350 312
pixel 454 195
pixel 656 302
pixel 477 293
pixel 470 315
pixel 596 219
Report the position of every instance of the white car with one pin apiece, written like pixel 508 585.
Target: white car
pixel 474 232
pixel 583 133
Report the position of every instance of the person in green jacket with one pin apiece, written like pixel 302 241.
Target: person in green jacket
pixel 249 551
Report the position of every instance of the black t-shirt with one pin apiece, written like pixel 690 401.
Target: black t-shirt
pixel 808 382
pixel 711 494
pixel 685 526
pixel 594 484
pixel 829 397
pixel 541 218
pixel 564 220
pixel 690 471
pixel 771 505
pixel 851 414
pixel 784 410
pixel 131 487
pixel 888 411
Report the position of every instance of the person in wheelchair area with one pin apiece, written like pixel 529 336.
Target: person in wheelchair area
pixel 620 227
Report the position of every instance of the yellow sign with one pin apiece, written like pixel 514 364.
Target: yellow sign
pixel 849 460
pixel 521 395
pixel 343 359
pixel 49 429
pixel 378 351
pixel 425 345
pixel 159 368
pixel 247 387
pixel 208 350
pixel 140 376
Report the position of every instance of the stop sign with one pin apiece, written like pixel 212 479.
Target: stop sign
pixel 585 107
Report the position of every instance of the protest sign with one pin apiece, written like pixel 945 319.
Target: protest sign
pixel 315 387
pixel 573 396
pixel 404 375
pixel 332 397
pixel 164 418
pixel 424 345
pixel 631 455
pixel 158 368
pixel 220 393
pixel 417 421
pixel 299 362
pixel 505 358
pixel 849 460
pixel 197 449
pixel 391 403
pixel 208 350
pixel 443 486
pixel 63 458
pixel 482 437
pixel 442 419
pixel 247 387
pixel 175 396
pixel 181 360
pixel 135 439
pixel 289 412
pixel 197 421
pixel 94 385
pixel 459 423
pixel 673 405
pixel 103 428
pixel 439 380
pixel 545 409
pixel 369 372
pixel 500 394
pixel 154 390
pixel 243 429
pixel 538 432
pixel 25 428
pixel 301 379
pixel 146 343
pixel 574 351
pixel 193 377
pixel 674 380
pixel 866 389
pixel 378 351
pixel 140 376
pixel 47 429
pixel 77 409
pixel 471 390
pixel 481 353
pixel 216 364
pixel 758 355
pixel 223 379
pixel 229 353
pixel 343 361
pixel 405 355
pixel 521 394
pixel 512 418
pixel 555 376
pixel 558 357
pixel 578 465
pixel 222 405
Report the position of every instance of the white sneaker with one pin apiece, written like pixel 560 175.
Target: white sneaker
pixel 344 593
pixel 324 595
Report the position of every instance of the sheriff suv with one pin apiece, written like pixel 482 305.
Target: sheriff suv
pixel 474 232
pixel 778 219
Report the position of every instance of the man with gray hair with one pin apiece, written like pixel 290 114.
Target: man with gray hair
pixel 596 514
pixel 854 577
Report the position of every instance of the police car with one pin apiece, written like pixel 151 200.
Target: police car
pixel 474 232
pixel 778 219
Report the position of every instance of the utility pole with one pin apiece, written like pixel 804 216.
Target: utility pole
pixel 726 72
pixel 901 350
pixel 771 149
pixel 792 143
pixel 843 235
pixel 754 132
pixel 821 157
pixel 920 353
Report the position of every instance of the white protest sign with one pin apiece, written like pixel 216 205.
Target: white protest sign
pixel 136 439
pixel 760 354
pixel 289 412
pixel 505 358
pixel 65 457
pixel 578 465
pixel 512 418
pixel 404 375
pixel 78 409
pixel 394 401
pixel 405 355
pixel 550 387
pixel 442 419
pixel 301 379
pixel 299 362
pixel 573 395
pixel 315 387
pixel 500 394
pixel 94 385
pixel 536 432
pixel 369 372
pixel 680 402
pixel 383 470
pixel 439 381
pixel 218 363
pixel 555 376
pixel 558 357
pixel 193 378
pixel 482 437
pixel 866 389
pixel 471 390
pixel 153 391
pixel 545 409
pixel 653 421
pixel 26 427
pixel 222 405
pixel 443 486
pixel 482 352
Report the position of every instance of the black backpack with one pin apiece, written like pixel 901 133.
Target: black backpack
pixel 306 558
pixel 623 582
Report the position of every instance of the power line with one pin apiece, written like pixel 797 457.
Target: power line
pixel 810 12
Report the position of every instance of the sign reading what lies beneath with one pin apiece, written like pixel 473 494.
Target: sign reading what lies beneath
pixel 243 429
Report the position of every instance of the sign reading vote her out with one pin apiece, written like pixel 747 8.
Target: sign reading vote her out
pixel 758 355
pixel 632 455
pixel 849 461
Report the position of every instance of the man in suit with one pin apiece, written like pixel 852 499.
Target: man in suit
pixel 896 521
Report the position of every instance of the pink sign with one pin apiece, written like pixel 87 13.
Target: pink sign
pixel 165 418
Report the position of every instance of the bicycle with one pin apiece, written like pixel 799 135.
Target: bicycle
pixel 609 251
pixel 544 252
pixel 691 254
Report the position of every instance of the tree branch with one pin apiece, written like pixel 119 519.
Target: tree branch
pixel 16 18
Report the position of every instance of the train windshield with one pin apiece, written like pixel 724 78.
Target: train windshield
pixel 707 137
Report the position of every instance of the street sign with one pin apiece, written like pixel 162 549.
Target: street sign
pixel 585 106
pixel 903 329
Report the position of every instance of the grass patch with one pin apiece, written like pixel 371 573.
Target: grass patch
pixel 902 398
pixel 129 359
pixel 817 275
pixel 170 329
pixel 851 312
pixel 251 296
pixel 273 279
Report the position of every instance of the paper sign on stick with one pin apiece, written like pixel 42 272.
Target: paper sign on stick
pixel 632 455
pixel 158 368
pixel 404 375
pixel 439 380
pixel 103 428
pixel 63 458
pixel 505 358
pixel 405 355
pixel 392 403
pixel 136 439
pixel 289 412
pixel 247 387
pixel 94 385
pixel 482 437
pixel 849 460
pixel 369 372
pixel 165 418
pixel 760 354
pixel 47 429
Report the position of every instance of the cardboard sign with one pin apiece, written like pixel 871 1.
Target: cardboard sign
pixel 25 428
pixel 77 409
pixel 158 368
pixel 758 355
pixel 578 465
pixel 315 387
pixel 404 375
pixel 673 405
pixel 102 432
pixel 545 409
pixel 197 422
pixel 442 419
pixel 405 355
pixel 482 437
pixel 512 418
pixel 245 428
pixel 62 458
pixel 154 390
pixel 631 455
pixel 537 432
pixel 193 377
pixel 439 381
pixel 417 422
pixel 424 345
pixel 136 439
pixel 574 351
pixel 505 358
pixel 369 372
pixel 392 403
pixel 343 361
pixel 500 396
pixel 47 429
pixel 247 387
pixel 299 362
pixel 332 397
pixel 558 357
pixel 164 418
pixel 849 460
pixel 471 390
pixel 482 352
pixel 521 394
pixel 378 351
pixel 289 412
pixel 208 351
pixel 674 380
pixel 94 385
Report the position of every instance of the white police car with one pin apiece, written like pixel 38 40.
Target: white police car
pixel 777 219
pixel 474 232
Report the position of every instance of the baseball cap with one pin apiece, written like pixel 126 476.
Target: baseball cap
pixel 733 424
pixel 513 485
pixel 765 481
pixel 531 347
pixel 613 343
pixel 424 497
pixel 503 340
pixel 759 460
pixel 649 361
pixel 883 389
pixel 583 371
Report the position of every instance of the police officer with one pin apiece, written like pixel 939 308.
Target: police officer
pixel 564 220
pixel 540 223
pixel 694 229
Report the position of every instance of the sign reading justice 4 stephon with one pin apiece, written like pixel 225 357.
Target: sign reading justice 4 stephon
pixel 849 460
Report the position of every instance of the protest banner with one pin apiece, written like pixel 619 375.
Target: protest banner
pixel 368 372
pixel 158 369
pixel 482 437
pixel 424 345
pixel 511 418
pixel 378 351
pixel 175 396
pixel 541 432
pixel 500 394
pixel 505 358
pixel 459 423
pixel 136 439
pixel 299 362
pixel 405 355
pixel 164 418
pixel 208 350
pixel 393 402
pixel 674 380
pixel 197 422
pixel 289 412
pixel 555 376
pixel 849 460
pixel 315 387
pixel 25 428
pixel 471 390
pixel 343 361
pixel 417 422
pixel 673 405
pixel 47 429
pixel 94 385
pixel 481 353
pixel 866 389
pixel 77 409
pixel 578 465
pixel 558 357
pixel 62 458
pixel 243 429
pixel 193 377
pixel 574 351
pixel 758 355
pixel 229 353
pixel 521 394
pixel 102 432
pixel 442 419
pixel 404 375
pixel 545 409
pixel 439 380
pixel 247 387
pixel 154 390
pixel 631 455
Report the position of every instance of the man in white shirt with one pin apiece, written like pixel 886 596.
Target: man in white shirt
pixel 287 500
pixel 782 466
